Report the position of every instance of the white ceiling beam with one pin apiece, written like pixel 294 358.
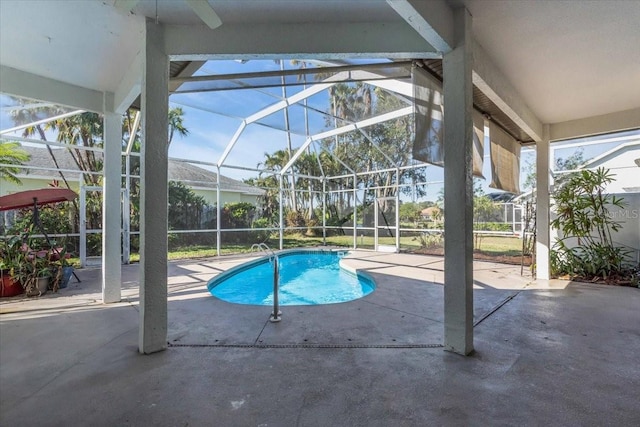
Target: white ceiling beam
pixel 27 85
pixel 495 85
pixel 205 12
pixel 130 86
pixel 401 87
pixel 606 123
pixel 188 71
pixel 329 40
pixel 432 19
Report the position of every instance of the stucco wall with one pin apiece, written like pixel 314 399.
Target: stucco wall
pixel 627 173
pixel 30 184
pixel 225 197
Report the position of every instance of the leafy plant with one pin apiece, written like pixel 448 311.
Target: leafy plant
pixel 582 213
pixel 429 240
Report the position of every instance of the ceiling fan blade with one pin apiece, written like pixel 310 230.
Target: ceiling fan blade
pixel 125 5
pixel 203 9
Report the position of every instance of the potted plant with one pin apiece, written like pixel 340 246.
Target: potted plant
pixel 10 258
pixel 33 272
pixel 61 269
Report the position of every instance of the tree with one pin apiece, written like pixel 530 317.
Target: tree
pixel 28 115
pixel 12 157
pixel 185 207
pixel 176 124
pixel 85 130
pixel 572 162
pixel 409 211
pixel 382 147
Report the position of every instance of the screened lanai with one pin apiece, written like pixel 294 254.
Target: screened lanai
pixel 328 147
pixel 104 68
pixel 322 131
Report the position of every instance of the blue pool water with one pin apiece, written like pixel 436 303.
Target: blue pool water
pixel 305 279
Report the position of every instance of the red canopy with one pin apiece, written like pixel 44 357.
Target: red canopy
pixel 26 199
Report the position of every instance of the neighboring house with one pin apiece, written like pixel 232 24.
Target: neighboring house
pixel 623 162
pixel 432 213
pixel 42 171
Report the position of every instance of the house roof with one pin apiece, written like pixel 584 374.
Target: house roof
pixel 178 170
pixel 614 152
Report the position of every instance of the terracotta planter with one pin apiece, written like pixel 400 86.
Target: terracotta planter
pixel 9 288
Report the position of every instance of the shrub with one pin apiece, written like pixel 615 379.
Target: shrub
pixel 295 219
pixel 429 241
pixel 581 206
pixel 261 235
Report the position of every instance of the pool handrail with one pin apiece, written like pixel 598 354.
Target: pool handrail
pixel 273 260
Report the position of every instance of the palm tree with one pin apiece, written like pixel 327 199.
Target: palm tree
pixel 176 124
pixel 11 158
pixel 23 116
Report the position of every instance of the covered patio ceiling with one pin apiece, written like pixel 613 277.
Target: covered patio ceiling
pixel 554 70
pixel 536 62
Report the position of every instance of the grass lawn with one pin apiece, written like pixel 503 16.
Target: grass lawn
pixel 488 245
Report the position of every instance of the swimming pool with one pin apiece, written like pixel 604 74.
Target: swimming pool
pixel 306 278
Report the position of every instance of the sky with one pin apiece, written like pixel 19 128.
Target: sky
pixel 213 118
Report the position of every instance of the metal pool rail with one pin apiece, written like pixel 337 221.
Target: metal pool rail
pixel 276 315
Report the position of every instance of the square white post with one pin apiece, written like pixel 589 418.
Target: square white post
pixel 458 190
pixel 111 220
pixel 543 239
pixel 153 193
pixel 218 211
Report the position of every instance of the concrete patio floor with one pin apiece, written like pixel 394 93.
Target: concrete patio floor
pixel 547 353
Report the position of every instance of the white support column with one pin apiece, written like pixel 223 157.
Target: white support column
pixel 458 190
pixel 543 238
pixel 111 220
pixel 153 193
pixel 324 211
pixel 397 202
pixel 218 212
pixel 126 213
pixel 281 211
pixel 83 222
pixel 355 212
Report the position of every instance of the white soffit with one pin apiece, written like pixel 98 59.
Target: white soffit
pixel 85 43
pixel 567 59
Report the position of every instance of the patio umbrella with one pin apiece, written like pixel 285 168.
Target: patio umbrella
pixel 35 198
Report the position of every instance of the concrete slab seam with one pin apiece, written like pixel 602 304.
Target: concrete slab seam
pixel 311 346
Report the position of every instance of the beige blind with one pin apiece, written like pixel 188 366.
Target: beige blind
pixel 478 144
pixel 505 160
pixel 428 140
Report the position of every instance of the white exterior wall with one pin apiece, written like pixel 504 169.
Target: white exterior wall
pixel 627 173
pixel 225 197
pixel 31 184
